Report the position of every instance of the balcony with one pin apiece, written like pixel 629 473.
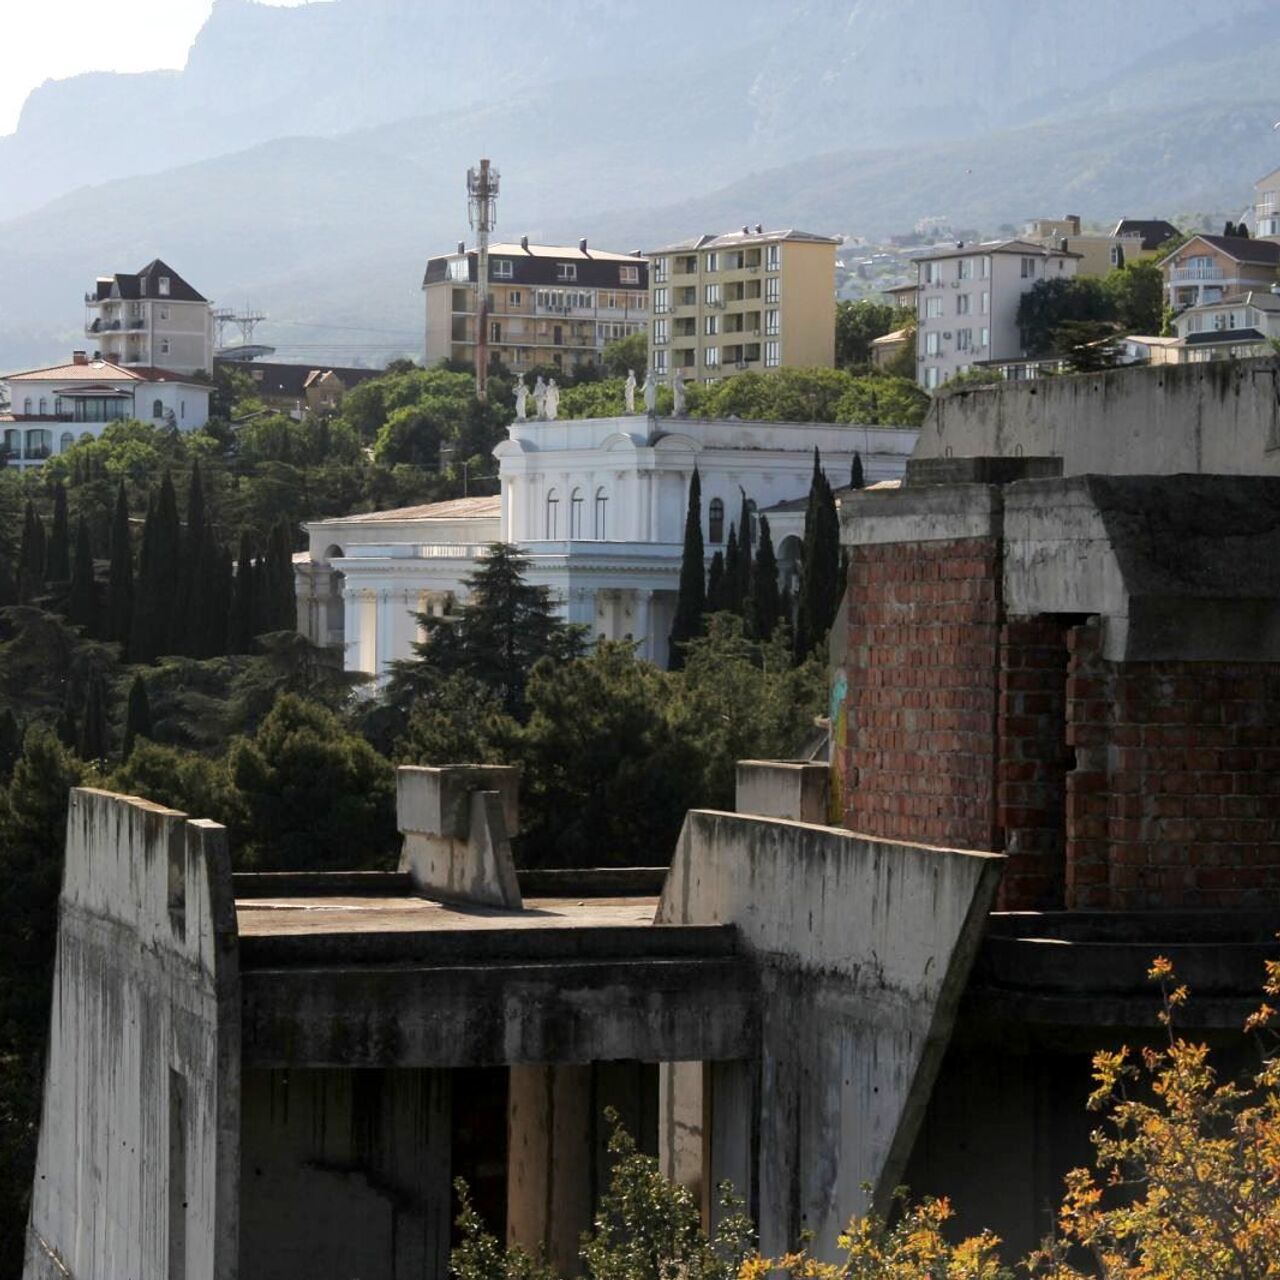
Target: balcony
pixel 1192 275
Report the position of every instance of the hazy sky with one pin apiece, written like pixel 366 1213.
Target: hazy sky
pixel 51 39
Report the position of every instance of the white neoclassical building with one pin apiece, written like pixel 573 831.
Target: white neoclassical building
pixel 598 506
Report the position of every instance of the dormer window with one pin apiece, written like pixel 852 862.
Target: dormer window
pixel 503 269
pixel 566 270
pixel 629 275
pixel 164 286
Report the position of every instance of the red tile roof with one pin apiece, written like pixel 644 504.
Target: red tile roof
pixel 96 371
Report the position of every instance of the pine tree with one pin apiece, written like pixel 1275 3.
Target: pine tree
pixel 820 572
pixel 93 739
pixel 691 602
pixel 188 635
pixel 856 478
pixel 733 573
pixel 31 555
pixel 57 560
pixel 82 602
pixel 137 723
pixel 1229 229
pixel 766 603
pixel 119 619
pixel 715 583
pixel 243 608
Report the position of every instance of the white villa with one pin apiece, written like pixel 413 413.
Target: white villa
pixel 598 505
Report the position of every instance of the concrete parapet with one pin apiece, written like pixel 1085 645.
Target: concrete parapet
pixel 863 948
pixel 457 822
pixel 783 789
pixel 137 1171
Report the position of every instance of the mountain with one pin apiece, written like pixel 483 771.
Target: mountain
pixel 323 148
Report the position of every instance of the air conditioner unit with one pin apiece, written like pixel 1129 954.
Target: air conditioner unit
pixel 947 336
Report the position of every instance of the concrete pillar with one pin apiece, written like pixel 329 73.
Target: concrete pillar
pixel 642 624
pixel 549 1184
pixel 730 1136
pixel 680 1130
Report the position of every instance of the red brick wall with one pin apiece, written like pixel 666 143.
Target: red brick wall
pixel 923 647
pixel 1175 798
pixel 1034 759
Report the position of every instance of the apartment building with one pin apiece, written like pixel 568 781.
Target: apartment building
pixel 746 300
pixel 1100 252
pixel 547 304
pixel 1266 206
pixel 151 319
pixel 1210 268
pixel 968 300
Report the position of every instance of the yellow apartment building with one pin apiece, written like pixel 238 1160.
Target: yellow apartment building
pixel 746 300
pixel 548 304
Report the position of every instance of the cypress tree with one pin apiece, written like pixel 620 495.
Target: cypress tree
pixel 715 583
pixel 10 743
pixel 119 618
pixel 243 607
pixel 188 636
pixel 220 601
pixel 82 605
pixel 166 567
pixel 57 560
pixel 856 478
pixel 142 626
pixel 137 723
pixel 92 741
pixel 691 602
pixel 746 539
pixel 262 612
pixel 733 573
pixel 765 602
pixel 8 583
pixel 820 573
pixel 31 555
pixel 284 593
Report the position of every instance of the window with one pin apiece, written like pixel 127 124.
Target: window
pixel 459 269
pixel 164 346
pixel 986 302
pixel 711 262
pixel 659 362
pixel 772 355
pixel 711 357
pixel 164 286
pixel 39 444
pixel 984 268
pixel 932 307
pixel 659 332
pixel 164 313
pixel 964 269
pixel 602 514
pixel 553 515
pixel 661 301
pixel 711 295
pixel 715 521
pixel 629 275
pixel 712 325
pixel 1028 268
pixel 575 514
pixel 771 322
pixel 932 344
pixel 566 270
pixel 773 289
pixel 932 272
pixel 12 442
pixel 931 377
pixel 182 409
pixel 66 442
pixel 985 336
pixel 503 269
pixel 661 270
pixel 962 304
pixel 773 257
pixel 964 339
pixel 44 407
pixel 157 408
pixel 514 298
pixel 26 407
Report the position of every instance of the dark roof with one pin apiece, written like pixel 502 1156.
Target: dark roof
pixel 1241 248
pixel 292 379
pixel 1154 231
pixel 146 284
pixel 538 264
pixel 1216 336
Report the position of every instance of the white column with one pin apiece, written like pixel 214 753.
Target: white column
pixel 642 623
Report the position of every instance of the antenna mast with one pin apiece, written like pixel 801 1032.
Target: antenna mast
pixel 482 212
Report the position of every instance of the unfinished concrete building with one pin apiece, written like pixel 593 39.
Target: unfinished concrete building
pixel 1056 753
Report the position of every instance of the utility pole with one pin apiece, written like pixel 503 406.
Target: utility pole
pixel 482 212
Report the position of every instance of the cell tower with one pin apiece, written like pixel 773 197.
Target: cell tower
pixel 482 212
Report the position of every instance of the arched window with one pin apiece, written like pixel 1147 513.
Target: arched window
pixel 26 407
pixel 39 444
pixel 157 409
pixel 575 514
pixel 553 516
pixel 66 441
pixel 602 514
pixel 716 520
pixel 44 407
pixel 13 442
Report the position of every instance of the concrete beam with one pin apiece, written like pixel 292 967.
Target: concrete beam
pixel 863 948
pixel 783 789
pixel 457 822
